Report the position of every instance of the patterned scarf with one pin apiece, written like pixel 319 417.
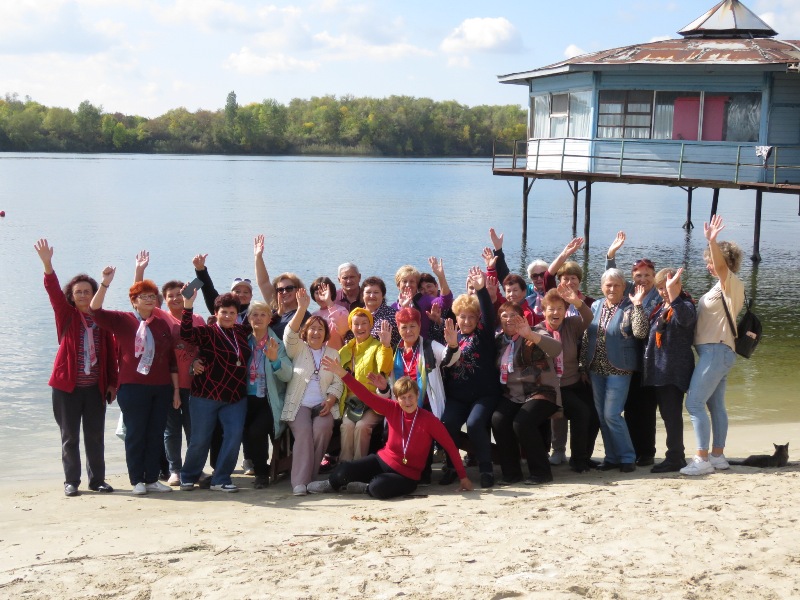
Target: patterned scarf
pixel 507 360
pixel 422 372
pixel 144 344
pixel 558 362
pixel 89 352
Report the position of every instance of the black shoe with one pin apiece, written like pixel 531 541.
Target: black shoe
pixel 102 487
pixel 668 466
pixel 470 460
pixel 538 479
pixel 425 480
pixel 70 490
pixel 487 480
pixel 510 480
pixel 627 467
pixel 579 466
pixel 259 483
pixel 163 476
pixel 448 476
pixel 645 461
pixel 607 466
pixel 593 464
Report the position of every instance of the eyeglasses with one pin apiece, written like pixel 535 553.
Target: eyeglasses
pixel 644 262
pixel 286 290
pixel 537 275
pixel 147 297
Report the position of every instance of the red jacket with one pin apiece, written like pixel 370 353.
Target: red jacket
pixel 69 329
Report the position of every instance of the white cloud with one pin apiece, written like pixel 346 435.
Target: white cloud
pixel 483 35
pixel 782 15
pixel 249 63
pixel 223 15
pixel 572 51
pixel 461 62
pixel 345 47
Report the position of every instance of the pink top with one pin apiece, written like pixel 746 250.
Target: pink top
pixel 426 429
pixel 185 353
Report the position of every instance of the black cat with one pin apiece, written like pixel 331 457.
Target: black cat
pixel 779 459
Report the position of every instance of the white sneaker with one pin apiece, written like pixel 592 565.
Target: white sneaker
pixel 320 487
pixel 174 480
pixel 558 457
pixel 157 487
pixel 720 463
pixel 698 466
pixel 248 467
pixel 300 490
pixel 140 489
pixel 225 487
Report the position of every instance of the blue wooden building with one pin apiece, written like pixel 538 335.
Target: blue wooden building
pixel 717 108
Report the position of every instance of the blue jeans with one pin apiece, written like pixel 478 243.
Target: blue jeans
pixel 178 421
pixel 144 412
pixel 707 388
pixel 204 414
pixel 610 393
pixel 478 417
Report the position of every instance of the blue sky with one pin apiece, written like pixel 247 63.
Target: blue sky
pixel 148 56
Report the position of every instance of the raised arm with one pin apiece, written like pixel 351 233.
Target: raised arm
pixel 619 241
pixel 100 296
pixel 142 260
pixel 262 276
pixel 210 293
pixel 711 231
pixel 45 252
pixel 303 302
pixel 568 251
pixel 437 266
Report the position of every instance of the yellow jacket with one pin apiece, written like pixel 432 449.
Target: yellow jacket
pixel 370 356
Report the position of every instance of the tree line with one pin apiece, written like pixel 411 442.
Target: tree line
pixel 393 126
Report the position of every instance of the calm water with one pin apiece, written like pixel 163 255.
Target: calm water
pixel 317 213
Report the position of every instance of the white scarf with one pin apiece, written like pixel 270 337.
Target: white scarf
pixel 144 344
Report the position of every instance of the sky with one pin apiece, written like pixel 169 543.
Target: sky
pixel 146 57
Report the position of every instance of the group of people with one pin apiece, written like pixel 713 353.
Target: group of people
pixel 532 364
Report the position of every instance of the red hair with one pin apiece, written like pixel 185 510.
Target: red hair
pixel 406 315
pixel 142 287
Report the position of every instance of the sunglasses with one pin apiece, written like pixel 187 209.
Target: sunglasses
pixel 286 290
pixel 240 280
pixel 644 262
pixel 536 275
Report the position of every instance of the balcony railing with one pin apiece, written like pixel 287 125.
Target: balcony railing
pixel 690 161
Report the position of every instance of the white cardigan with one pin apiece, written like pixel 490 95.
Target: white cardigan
pixel 303 369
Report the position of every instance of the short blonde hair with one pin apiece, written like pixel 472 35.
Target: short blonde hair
pixel 730 252
pixel 662 276
pixel 259 305
pixel 405 272
pixel 466 302
pixel 404 385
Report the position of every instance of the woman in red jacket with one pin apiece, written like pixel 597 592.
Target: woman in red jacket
pixel 84 376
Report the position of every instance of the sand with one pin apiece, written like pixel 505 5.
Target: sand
pixel 732 534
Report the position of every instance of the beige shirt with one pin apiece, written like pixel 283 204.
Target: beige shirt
pixel 712 324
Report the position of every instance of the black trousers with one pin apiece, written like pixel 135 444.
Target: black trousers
pixel 584 425
pixel 670 404
pixel 258 429
pixel 83 404
pixel 640 417
pixel 526 425
pixel 384 482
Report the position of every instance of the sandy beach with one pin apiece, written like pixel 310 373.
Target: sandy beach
pixel 598 535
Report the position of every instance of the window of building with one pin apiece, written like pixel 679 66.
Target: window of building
pixel 625 113
pixel 562 115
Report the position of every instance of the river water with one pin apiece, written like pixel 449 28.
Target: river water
pixel 319 212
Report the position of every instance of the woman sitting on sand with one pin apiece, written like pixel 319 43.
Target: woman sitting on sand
pixel 397 468
pixel 312 397
pixel 84 376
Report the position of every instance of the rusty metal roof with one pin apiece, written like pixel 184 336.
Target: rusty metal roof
pixel 729 18
pixel 764 52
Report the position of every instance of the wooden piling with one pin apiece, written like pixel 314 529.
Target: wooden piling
pixel 587 217
pixel 714 202
pixel 757 229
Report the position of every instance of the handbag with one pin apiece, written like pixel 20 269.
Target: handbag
pixel 354 409
pixel 747 334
